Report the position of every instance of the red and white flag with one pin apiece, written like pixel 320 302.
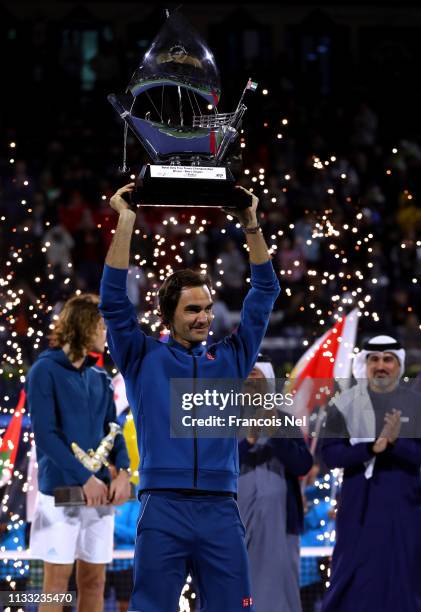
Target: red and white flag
pixel 329 359
pixel 9 442
pixel 120 397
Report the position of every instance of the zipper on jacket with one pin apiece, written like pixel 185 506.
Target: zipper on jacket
pixel 196 467
pixel 83 376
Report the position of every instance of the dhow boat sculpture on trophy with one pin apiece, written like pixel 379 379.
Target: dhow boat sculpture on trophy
pixel 171 105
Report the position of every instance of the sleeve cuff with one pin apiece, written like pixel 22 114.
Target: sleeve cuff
pixel 263 272
pixel 121 459
pixel 84 475
pixel 116 276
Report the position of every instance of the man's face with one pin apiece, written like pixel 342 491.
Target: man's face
pixel 382 371
pixel 98 340
pixel 256 373
pixel 255 382
pixel 193 316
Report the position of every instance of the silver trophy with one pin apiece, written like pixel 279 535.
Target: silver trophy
pixel 171 106
pixel 94 460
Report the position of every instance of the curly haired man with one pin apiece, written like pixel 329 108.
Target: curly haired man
pixel 71 400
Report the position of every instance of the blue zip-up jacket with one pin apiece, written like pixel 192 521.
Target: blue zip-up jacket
pixel 68 405
pixel 147 366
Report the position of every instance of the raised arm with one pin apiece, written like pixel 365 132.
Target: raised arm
pixel 118 255
pixel 125 339
pixel 259 301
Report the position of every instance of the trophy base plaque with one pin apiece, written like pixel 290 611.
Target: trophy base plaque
pixel 69 496
pixel 74 496
pixel 188 186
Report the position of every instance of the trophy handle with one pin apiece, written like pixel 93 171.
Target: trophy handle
pixel 121 105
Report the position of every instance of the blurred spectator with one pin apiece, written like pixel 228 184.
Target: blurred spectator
pixel 269 500
pixel 365 127
pixel 60 244
pixel 222 323
pixel 75 214
pixel 291 261
pixel 136 283
pixel 233 265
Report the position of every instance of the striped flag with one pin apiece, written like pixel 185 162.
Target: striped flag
pixel 9 443
pixel 312 380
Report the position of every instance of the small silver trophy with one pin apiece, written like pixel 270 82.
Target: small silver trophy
pixel 94 460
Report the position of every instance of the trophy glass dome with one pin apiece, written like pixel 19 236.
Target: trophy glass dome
pixel 168 99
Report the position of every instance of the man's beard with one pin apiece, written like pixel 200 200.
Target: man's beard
pixel 384 383
pixel 255 386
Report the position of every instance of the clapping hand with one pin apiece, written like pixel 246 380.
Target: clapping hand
pixel 390 431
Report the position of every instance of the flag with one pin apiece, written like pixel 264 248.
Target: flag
pixel 120 397
pixel 252 85
pixel 10 442
pixel 312 380
pixel 129 429
pixel 99 357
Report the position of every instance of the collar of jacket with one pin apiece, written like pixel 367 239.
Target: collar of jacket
pixel 60 357
pixel 196 350
pixel 89 361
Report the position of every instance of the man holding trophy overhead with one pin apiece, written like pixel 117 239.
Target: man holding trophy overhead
pixel 72 411
pixel 189 522
pixel 190 519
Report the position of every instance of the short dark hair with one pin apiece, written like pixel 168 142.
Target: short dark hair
pixel 171 288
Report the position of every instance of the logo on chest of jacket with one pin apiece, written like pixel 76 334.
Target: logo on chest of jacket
pixel 247 602
pixel 210 356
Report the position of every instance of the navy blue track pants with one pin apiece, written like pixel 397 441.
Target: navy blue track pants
pixel 179 534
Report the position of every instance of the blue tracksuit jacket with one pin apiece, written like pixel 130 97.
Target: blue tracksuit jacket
pixel 70 405
pixel 147 366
